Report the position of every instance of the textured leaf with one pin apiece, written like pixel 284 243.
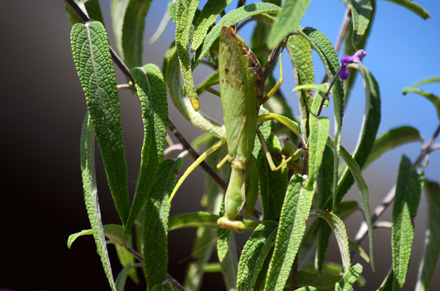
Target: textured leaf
pixel 152 92
pixel 233 16
pixel 171 69
pixel 223 237
pixel 156 223
pixel 328 56
pixel 338 228
pixel 72 238
pixel 406 202
pixel 294 214
pixel 391 140
pixel 287 20
pixel 185 12
pixel 229 264
pixel 435 100
pixel 319 130
pixel 165 286
pixel 87 151
pixel 128 25
pixel 254 254
pixel 90 7
pixel 349 278
pixel 431 252
pixel 363 188
pixel 308 288
pixel 361 11
pixel 417 9
pixel 209 14
pixel 95 70
pixel 123 275
pixel 370 126
pixel 273 184
pixel 319 281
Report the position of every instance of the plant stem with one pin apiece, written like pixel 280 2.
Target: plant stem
pixel 195 155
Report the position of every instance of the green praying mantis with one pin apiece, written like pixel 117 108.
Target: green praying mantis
pixel 241 90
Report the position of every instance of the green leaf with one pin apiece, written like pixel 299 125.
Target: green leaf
pixel 305 278
pixel 156 223
pixel 287 20
pixel 359 250
pixel 165 286
pixel 417 9
pixel 123 275
pixel 363 188
pixel 431 251
pixel 294 214
pixel 370 126
pixel 300 54
pixel 72 238
pixel 87 152
pixel 95 70
pixel 387 284
pixel 391 140
pixel 90 7
pixel 308 288
pixel 273 184
pixel 209 14
pixel 209 81
pixel 128 18
pixel 152 92
pixel 361 11
pixel 233 16
pixel 349 278
pixel 223 237
pixel 171 69
pixel 338 228
pixel 328 56
pixel 426 81
pixel 229 264
pixel 406 202
pixel 186 10
pixel 319 130
pixel 255 253
pixel 435 100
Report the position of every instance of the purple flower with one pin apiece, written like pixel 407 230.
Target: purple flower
pixel 346 60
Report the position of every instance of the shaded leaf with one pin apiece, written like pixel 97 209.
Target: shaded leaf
pixel 90 7
pixel 156 223
pixel 319 281
pixel 349 278
pixel 408 189
pixel 287 20
pixel 87 152
pixel 255 253
pixel 294 215
pixel 152 93
pixel 431 251
pixel 123 275
pixel 361 11
pixel 95 70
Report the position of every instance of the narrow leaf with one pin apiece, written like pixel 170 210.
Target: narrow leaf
pixel 152 92
pixel 95 70
pixel 417 9
pixel 87 151
pixel 209 14
pixel 287 20
pixel 185 14
pixel 370 126
pixel 363 188
pixel 431 251
pixel 426 81
pixel 255 253
pixel 165 286
pixel 233 16
pixel 156 223
pixel 223 237
pixel 338 228
pixel 406 202
pixel 294 215
pixel 171 69
pixel 317 280
pixel 123 275
pixel 319 130
pixel 361 11
pixel 229 264
pixel 72 238
pixel 349 278
pixel 435 100
pixel 391 140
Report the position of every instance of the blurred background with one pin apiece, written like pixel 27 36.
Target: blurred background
pixel 43 108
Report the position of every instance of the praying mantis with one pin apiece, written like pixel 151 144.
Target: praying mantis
pixel 241 89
